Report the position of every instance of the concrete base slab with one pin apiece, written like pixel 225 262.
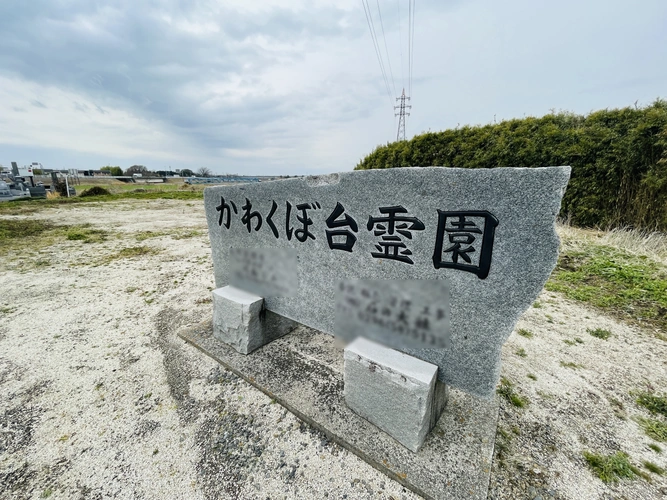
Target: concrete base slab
pixel 303 371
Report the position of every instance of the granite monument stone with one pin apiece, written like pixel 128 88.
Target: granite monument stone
pixel 490 233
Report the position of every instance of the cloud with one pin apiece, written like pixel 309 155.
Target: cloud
pixel 217 74
pixel 293 86
pixel 114 133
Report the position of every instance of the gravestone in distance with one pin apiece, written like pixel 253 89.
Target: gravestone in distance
pixel 490 233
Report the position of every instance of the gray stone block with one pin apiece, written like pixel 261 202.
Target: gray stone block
pixel 241 320
pixel 398 393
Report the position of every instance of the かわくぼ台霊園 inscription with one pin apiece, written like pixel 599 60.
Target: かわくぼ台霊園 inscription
pixel 470 234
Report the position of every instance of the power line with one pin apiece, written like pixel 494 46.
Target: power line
pixel 385 47
pixel 400 40
pixel 377 43
pixel 412 47
pixel 402 107
pixel 409 44
pixel 371 27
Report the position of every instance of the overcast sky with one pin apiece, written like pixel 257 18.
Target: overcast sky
pixel 294 86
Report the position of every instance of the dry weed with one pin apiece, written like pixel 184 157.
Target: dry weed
pixel 633 241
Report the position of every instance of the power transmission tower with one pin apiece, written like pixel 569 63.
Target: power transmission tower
pixel 401 115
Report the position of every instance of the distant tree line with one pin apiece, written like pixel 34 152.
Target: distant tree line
pixel 144 171
pixel 136 169
pixel 618 159
pixel 115 171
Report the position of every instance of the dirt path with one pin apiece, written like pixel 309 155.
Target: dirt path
pixel 99 398
pixel 579 400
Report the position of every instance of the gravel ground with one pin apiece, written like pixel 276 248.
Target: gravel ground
pixel 99 398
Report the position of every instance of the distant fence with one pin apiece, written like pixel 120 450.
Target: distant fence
pixel 219 180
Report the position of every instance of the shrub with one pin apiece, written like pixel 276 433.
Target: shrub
pixel 95 191
pixel 618 159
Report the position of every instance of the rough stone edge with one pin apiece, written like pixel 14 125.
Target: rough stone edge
pixel 185 333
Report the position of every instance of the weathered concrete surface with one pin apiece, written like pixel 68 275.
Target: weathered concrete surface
pixel 518 205
pixel 394 391
pixel 303 371
pixel 240 320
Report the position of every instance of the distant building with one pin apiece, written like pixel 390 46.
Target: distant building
pixel 220 179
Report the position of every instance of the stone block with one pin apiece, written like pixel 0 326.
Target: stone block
pixel 241 320
pixel 398 393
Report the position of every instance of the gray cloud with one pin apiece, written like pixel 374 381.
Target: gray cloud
pixel 80 107
pixel 303 80
pixel 134 59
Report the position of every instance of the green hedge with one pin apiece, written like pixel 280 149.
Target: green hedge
pixel 618 159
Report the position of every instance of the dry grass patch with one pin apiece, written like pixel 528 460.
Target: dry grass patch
pixel 11 229
pixel 655 429
pixel 86 234
pixel 27 237
pixel 186 233
pixel 507 391
pixel 144 235
pixel 611 468
pixel 654 468
pixel 629 285
pixel 633 241
pixel 128 253
pixel 131 252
